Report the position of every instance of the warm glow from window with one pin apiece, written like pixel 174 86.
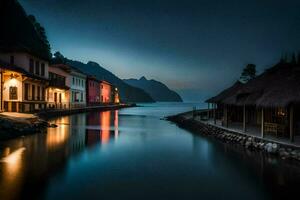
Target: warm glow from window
pixel 105 126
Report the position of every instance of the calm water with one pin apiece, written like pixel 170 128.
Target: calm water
pixel 132 154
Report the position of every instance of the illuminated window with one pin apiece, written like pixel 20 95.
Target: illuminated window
pixel 13 93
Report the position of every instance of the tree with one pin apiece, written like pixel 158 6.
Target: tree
pixel 40 30
pixel 58 58
pixel 248 73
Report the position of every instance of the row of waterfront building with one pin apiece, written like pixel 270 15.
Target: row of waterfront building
pixel 28 80
pixel 30 84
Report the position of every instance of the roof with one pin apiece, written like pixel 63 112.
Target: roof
pixel 90 77
pixel 7 66
pixel 225 93
pixel 68 68
pixel 106 82
pixel 64 67
pixel 278 86
pixel 18 33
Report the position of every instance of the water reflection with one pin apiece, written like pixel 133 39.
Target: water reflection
pixel 151 157
pixel 11 170
pixel 60 135
pixel 27 163
pixel 103 127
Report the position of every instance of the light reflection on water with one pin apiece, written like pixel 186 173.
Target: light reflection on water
pixel 132 154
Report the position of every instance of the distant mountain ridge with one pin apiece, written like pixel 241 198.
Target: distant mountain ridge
pixel 128 93
pixel 157 90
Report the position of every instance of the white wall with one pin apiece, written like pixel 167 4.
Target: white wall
pixel 78 86
pixel 22 60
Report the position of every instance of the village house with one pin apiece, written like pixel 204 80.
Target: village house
pixel 24 79
pixel 93 91
pixel 266 106
pixel 106 92
pixel 24 59
pixel 58 91
pixel 77 88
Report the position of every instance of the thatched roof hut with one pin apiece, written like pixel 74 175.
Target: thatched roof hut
pixel 226 93
pixel 278 86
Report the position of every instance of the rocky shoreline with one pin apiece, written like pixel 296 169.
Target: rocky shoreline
pixel 248 142
pixel 12 127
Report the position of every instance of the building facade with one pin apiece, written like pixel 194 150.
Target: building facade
pixel 106 92
pixel 92 91
pixel 24 81
pixel 77 88
pixel 58 91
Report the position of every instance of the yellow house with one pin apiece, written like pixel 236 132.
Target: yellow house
pixel 23 90
pixel 58 91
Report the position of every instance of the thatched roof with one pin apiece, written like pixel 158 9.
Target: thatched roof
pixel 225 93
pixel 17 33
pixel 278 86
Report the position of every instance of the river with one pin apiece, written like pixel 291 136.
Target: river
pixel 134 154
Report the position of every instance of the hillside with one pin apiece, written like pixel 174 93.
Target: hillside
pixel 128 93
pixel 18 33
pixel 157 90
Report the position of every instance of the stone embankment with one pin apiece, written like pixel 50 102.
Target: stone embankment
pixel 249 142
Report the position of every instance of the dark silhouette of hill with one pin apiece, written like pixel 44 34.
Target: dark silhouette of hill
pixel 157 90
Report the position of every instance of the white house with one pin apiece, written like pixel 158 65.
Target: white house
pixel 77 80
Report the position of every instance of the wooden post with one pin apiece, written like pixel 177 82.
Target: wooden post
pixel 208 111
pixel 244 118
pixel 215 117
pixel 262 123
pixel 225 116
pixel 292 123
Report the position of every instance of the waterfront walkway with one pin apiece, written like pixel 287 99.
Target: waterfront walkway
pixel 253 131
pixel 60 112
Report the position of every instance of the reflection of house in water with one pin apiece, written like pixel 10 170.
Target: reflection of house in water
pixel 107 130
pixel 42 155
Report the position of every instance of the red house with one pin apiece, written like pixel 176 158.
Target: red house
pixel 106 92
pixel 92 91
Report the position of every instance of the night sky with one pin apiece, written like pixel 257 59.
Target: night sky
pixel 196 47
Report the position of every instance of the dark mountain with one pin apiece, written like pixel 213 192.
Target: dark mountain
pixel 128 93
pixel 18 33
pixel 157 90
